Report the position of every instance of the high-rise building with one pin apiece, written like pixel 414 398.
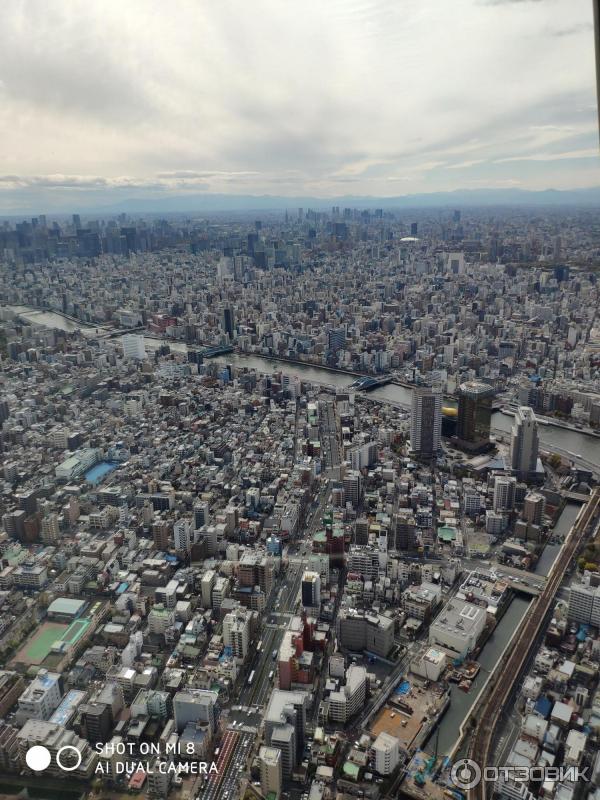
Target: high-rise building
pixel 386 753
pixel 352 484
pixel 197 706
pixel 201 515
pixel 134 348
pixel 161 532
pixel 271 775
pixel 524 443
pixel 50 528
pixel 183 534
pixel 364 456
pixel 228 321
pixel 348 701
pixel 426 421
pixel 364 630
pixel 236 633
pixel 474 416
pixel 285 726
pixel 584 604
pixel 207 584
pixel 504 493
pixel 96 721
pixel 336 338
pixel 311 589
pixel 533 508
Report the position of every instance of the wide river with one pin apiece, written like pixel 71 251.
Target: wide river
pixel 562 440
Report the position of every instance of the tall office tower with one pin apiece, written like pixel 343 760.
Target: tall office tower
pixel 201 515
pixel 352 484
pixel 361 531
pixel 504 493
pixel 228 321
pixel 414 227
pixel 134 348
pixel 76 221
pixel 557 249
pixel 405 527
pixel 4 410
pixel 336 338
pixel 426 421
pixel 311 589
pixel 474 416
pixel 524 443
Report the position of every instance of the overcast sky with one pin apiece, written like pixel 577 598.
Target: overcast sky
pixel 134 98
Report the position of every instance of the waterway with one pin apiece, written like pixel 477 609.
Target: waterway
pixel 561 438
pixel 446 735
pixel 563 525
pixel 550 436
pixel 462 702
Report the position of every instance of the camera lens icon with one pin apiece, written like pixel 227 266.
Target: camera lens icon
pixel 65 759
pixel 465 774
pixel 38 758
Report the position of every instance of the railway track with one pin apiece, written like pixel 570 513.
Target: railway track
pixel 483 736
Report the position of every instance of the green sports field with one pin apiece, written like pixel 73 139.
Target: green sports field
pixel 38 646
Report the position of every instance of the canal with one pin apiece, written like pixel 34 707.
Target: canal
pixel 562 527
pixel 462 702
pixel 446 735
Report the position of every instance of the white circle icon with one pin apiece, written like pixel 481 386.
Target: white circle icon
pixel 38 758
pixel 465 774
pixel 68 748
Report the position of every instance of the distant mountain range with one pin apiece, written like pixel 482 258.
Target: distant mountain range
pixel 458 198
pixel 93 203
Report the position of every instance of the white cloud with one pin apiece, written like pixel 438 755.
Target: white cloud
pixel 591 152
pixel 251 97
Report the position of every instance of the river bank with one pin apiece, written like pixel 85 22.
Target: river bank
pixel 551 437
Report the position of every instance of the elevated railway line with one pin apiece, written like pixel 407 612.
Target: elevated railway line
pixel 480 747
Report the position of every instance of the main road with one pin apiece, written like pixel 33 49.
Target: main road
pixel 281 607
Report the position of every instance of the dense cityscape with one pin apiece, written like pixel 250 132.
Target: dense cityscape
pixel 301 505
